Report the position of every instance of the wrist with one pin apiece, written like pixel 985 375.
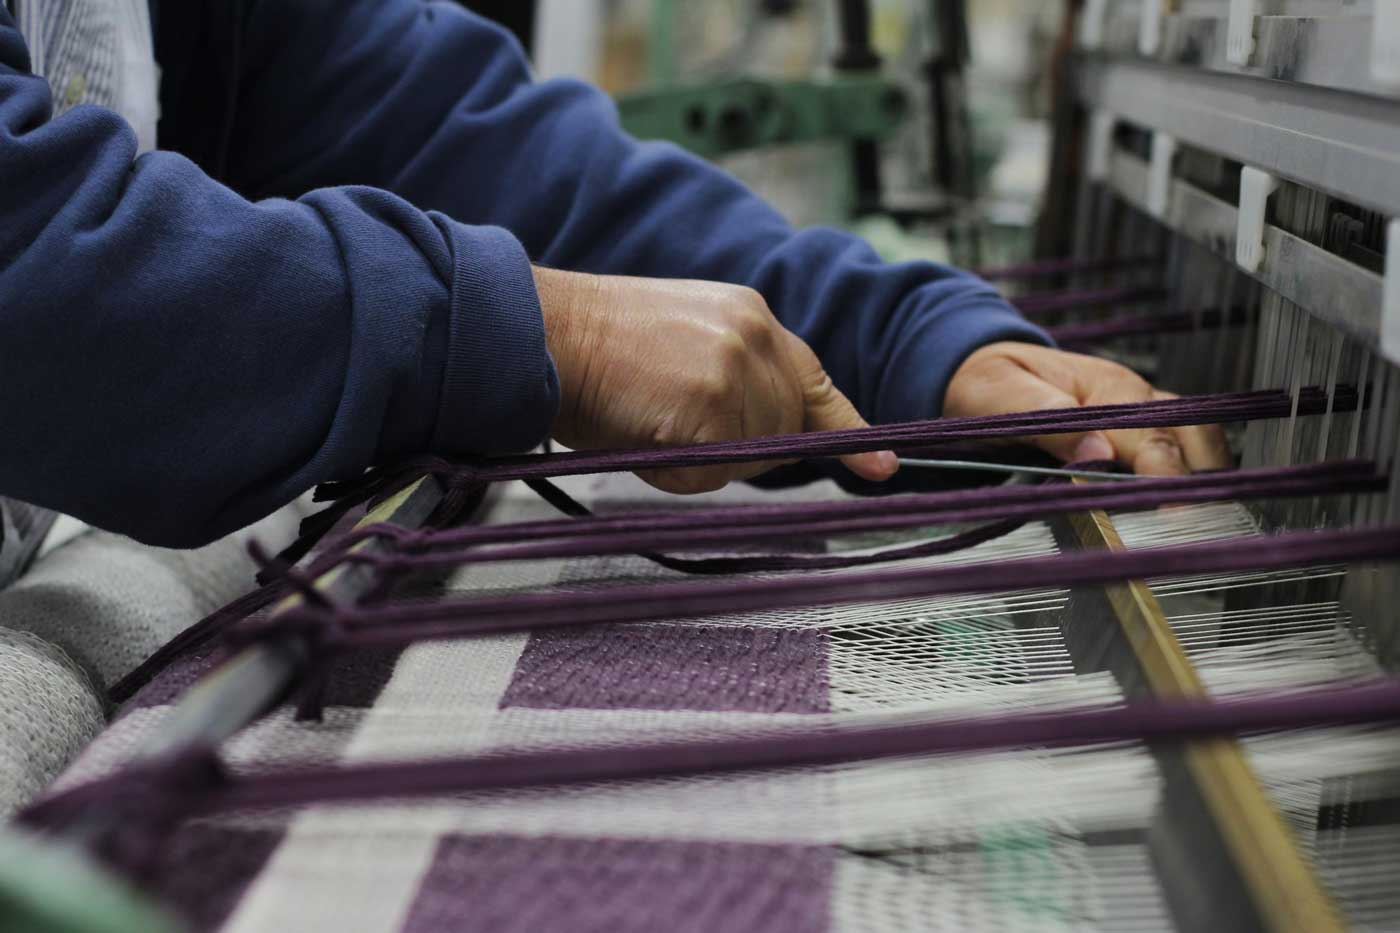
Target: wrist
pixel 568 304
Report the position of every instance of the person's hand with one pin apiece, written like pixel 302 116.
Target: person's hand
pixel 662 362
pixel 1011 377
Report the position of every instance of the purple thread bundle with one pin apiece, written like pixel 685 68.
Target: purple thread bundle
pixel 465 480
pixel 164 788
pixel 1049 268
pixel 1004 508
pixel 910 435
pixel 1037 303
pixel 384 481
pixel 720 527
pixel 1082 333
pixel 358 626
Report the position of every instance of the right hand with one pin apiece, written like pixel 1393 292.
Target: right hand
pixel 662 362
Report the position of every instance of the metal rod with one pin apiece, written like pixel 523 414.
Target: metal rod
pixel 1012 468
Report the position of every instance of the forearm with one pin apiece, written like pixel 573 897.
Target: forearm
pixel 180 361
pixel 437 105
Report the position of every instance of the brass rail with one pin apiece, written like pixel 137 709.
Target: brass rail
pixel 1283 887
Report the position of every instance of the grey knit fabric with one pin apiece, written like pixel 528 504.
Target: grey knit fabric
pixel 51 711
pixel 84 615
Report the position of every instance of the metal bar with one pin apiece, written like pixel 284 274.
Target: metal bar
pixel 1345 144
pixel 989 467
pixel 1323 284
pixel 1301 42
pixel 1281 885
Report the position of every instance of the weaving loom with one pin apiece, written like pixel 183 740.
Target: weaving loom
pixel 1054 706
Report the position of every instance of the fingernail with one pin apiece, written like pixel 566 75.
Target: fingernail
pixel 889 463
pixel 1093 447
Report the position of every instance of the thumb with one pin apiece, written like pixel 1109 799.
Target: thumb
pixel 825 408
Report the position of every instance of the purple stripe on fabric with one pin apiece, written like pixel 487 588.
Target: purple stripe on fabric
pixel 500 884
pixel 354 680
pixel 673 667
pixel 204 869
pixel 167 686
pixel 357 679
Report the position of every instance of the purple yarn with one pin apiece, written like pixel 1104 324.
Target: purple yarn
pixel 1083 299
pixel 1048 268
pixel 827 744
pixel 344 627
pixel 1174 412
pixel 718 528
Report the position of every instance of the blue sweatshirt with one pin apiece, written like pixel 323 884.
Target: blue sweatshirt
pixel 327 262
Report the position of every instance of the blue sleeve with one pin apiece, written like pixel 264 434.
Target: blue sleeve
pixel 177 360
pixel 437 105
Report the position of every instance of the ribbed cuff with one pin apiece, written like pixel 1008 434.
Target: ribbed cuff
pixel 919 374
pixel 500 391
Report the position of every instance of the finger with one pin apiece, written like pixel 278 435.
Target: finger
pixel 1205 447
pixel 689 481
pixel 1011 389
pixel 1173 451
pixel 1150 452
pixel 827 409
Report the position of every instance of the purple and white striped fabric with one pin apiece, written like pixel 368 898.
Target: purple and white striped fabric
pixel 818 849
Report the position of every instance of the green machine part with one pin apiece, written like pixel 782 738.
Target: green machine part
pixel 721 117
pixel 48 886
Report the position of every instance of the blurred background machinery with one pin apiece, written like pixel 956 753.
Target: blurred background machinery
pixel 922 124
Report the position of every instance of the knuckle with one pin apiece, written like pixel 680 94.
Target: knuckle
pixel 729 351
pixel 710 387
pixel 666 434
pixel 1160 447
pixel 749 298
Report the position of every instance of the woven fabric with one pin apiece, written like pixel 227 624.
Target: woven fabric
pixel 1032 838
pixel 768 851
pixel 87 613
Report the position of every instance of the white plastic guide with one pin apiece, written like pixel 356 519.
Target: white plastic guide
pixel 1390 294
pixel 1255 187
pixel 1239 35
pixel 1159 173
pixel 1091 24
pixel 1385 43
pixel 1150 27
pixel 1101 124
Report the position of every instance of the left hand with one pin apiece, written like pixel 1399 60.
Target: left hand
pixel 1007 377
